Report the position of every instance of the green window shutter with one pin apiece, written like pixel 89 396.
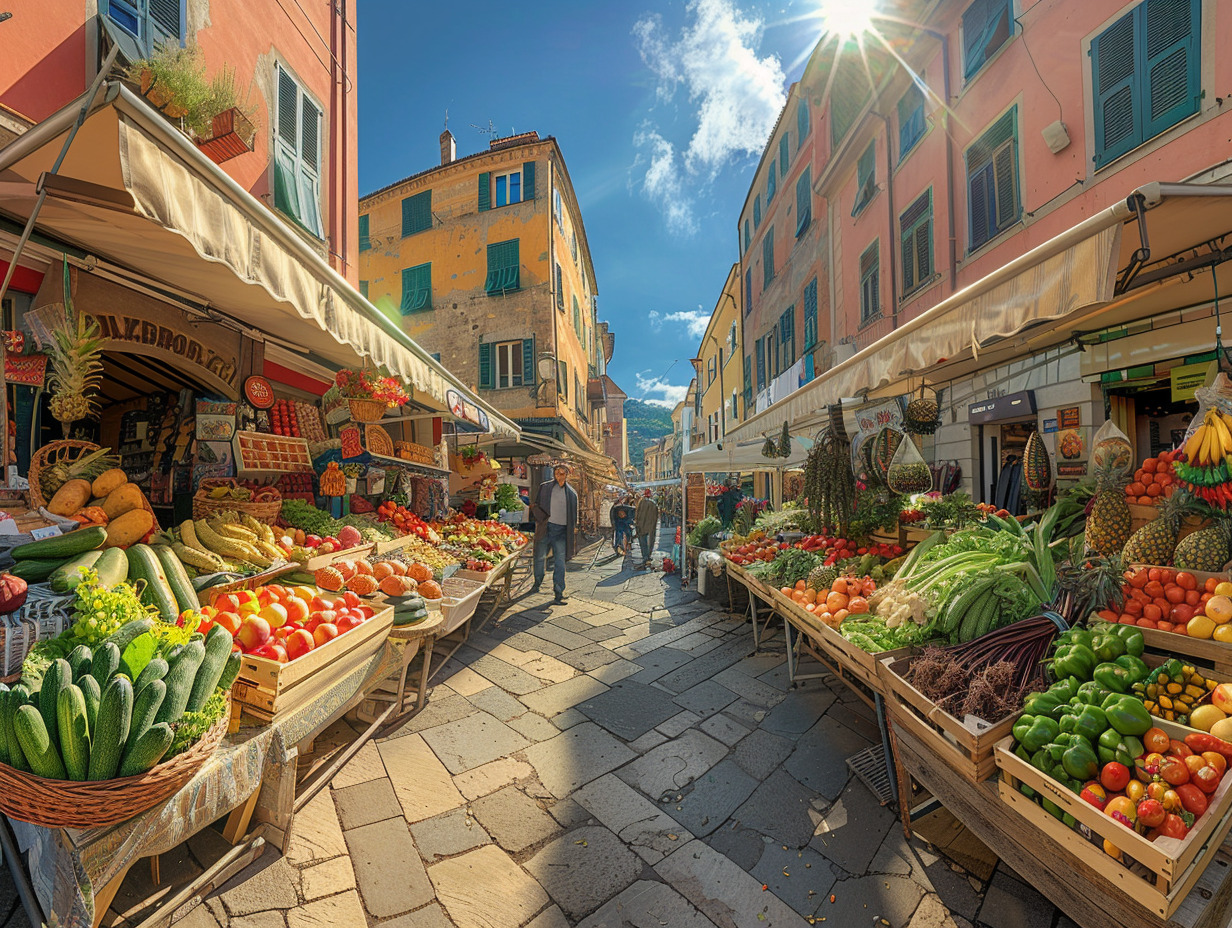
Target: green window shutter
pixel 286 181
pixel 993 199
pixel 870 283
pixel 1117 110
pixel 1171 32
pixel 783 155
pixel 810 314
pixel 364 242
pixel 485 191
pixel 528 361
pixel 767 257
pixel 986 27
pixel 916 244
pixel 747 237
pixel 748 291
pixel 560 289
pixel 562 379
pixel 577 315
pixel 504 267
pixel 804 201
pixel 363 289
pixel 486 374
pixel 417 213
pixel 760 353
pixel 910 120
pixel 866 178
pixel 748 381
pixel 787 338
pixel 802 122
pixel 1006 173
pixel 772 182
pixel 757 211
pixel 416 288
pixel 166 15
pixel 528 180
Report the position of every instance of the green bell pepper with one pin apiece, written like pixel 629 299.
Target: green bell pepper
pixel 1112 677
pixel 1074 660
pixel 1131 635
pixel 1067 688
pixel 1080 760
pixel 1076 636
pixel 1088 722
pixel 1129 717
pixel 1124 749
pixel 1091 693
pixel 1135 666
pixel 1039 731
pixel 1108 646
pixel 1049 704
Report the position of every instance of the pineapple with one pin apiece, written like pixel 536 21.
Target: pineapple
pixel 1206 549
pixel 1109 521
pixel 1155 542
pixel 820 577
pixel 76 368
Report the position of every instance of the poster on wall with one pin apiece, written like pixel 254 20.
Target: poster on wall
pixel 1072 444
pixel 873 417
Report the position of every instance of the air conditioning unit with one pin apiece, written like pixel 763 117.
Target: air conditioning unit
pixel 842 352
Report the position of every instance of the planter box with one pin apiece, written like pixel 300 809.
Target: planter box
pixel 232 135
pixel 967 747
pixel 1165 870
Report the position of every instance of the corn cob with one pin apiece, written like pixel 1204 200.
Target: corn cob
pixel 233 530
pixel 228 547
pixel 269 550
pixel 260 529
pixel 194 557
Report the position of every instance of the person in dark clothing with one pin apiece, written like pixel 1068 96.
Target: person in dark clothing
pixel 646 524
pixel 555 512
pixel 622 525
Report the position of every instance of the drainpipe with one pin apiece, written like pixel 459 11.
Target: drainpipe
pixel 949 157
pixel 893 243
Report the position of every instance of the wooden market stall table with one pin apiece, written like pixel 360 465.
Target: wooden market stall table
pixel 504 573
pixel 757 591
pixel 409 641
pixel 1065 879
pixel 75 874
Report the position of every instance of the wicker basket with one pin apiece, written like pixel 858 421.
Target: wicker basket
pixel 94 803
pixel 204 507
pixel 378 441
pixel 37 620
pixel 366 410
pixel 55 452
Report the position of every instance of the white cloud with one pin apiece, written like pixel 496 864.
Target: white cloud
pixel 694 320
pixel 668 394
pixel 737 97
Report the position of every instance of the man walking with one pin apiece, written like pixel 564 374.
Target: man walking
pixel 646 524
pixel 555 512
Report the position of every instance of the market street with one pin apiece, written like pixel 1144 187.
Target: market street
pixel 618 760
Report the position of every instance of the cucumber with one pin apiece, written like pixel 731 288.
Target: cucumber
pixel 93 694
pixel 114 716
pixel 10 702
pixel 128 632
pixel 57 677
pixel 179 681
pixel 74 732
pixel 177 579
pixel 147 750
pixel 156 669
pixel 230 670
pixel 62 547
pixel 112 567
pixel 156 592
pixel 106 662
pixel 218 644
pixel 145 709
pixel 66 577
pixel 35 571
pixel 79 660
pixel 36 744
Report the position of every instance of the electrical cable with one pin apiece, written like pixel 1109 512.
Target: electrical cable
pixel 1031 58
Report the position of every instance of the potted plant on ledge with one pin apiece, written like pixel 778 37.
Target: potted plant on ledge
pixel 470 456
pixel 369 393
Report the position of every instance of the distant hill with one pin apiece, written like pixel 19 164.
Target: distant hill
pixel 647 423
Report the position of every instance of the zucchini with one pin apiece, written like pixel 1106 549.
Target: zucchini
pixel 156 592
pixel 156 669
pixel 230 670
pixel 128 632
pixel 106 662
pixel 179 681
pixel 93 694
pixel 147 750
pixel 10 702
pixel 37 745
pixel 65 578
pixel 4 742
pixel 114 716
pixel 35 571
pixel 145 709
pixel 74 732
pixel 218 645
pixel 62 547
pixel 112 567
pixel 177 579
pixel 79 660
pixel 57 677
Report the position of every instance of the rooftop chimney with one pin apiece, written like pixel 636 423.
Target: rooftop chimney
pixel 449 148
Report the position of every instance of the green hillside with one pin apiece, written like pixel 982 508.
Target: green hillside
pixel 647 423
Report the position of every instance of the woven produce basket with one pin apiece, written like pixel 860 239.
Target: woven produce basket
pixel 94 803
pixel 204 507
pixel 51 453
pixel 378 441
pixel 366 410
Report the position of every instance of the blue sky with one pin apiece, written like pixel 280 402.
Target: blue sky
pixel 661 110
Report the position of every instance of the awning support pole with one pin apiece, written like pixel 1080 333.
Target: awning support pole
pixel 29 230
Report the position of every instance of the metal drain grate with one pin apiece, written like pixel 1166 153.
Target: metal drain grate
pixel 870 766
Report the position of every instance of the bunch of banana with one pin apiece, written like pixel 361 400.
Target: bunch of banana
pixel 1211 441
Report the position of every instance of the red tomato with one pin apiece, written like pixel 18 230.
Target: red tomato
pixel 1174 771
pixel 1206 779
pixel 1179 749
pixel 1173 827
pixel 1193 800
pixel 1151 813
pixel 1114 776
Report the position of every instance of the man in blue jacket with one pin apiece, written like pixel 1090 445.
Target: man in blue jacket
pixel 555 513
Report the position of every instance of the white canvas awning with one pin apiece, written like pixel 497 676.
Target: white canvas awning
pixel 729 457
pixel 139 196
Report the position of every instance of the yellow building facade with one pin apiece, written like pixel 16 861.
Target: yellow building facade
pixel 718 365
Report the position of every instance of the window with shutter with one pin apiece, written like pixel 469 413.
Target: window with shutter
pixel 866 178
pixel 772 182
pixel 562 379
pixel 528 361
pixel 910 120
pixel 528 180
pixel 916 242
pixel 1146 75
pixel 748 381
pixel 802 122
pixel 787 338
pixel 417 213
pixel 560 289
pixel 416 288
pixel 759 352
pixel 810 314
pixel 870 283
pixel 573 246
pixel 486 379
pixel 986 26
pixel 756 212
pixel 297 154
pixel 994 202
pixel 804 201
pixel 485 191
pixel 153 23
pixel 507 188
pixel 509 365
pixel 767 258
pixel 748 239
pixel 772 354
pixel 784 158
pixel 557 209
pixel 577 316
pixel 748 291
pixel 365 243
pixel 504 267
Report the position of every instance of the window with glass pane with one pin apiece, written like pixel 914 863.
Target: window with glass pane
pixel 297 154
pixel 509 364
pixel 910 120
pixel 916 239
pixel 994 202
pixel 416 288
pixel 986 26
pixel 508 188
pixel 870 283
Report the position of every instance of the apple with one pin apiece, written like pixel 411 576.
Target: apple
pixel 348 622
pixel 300 643
pixel 274 613
pixel 326 631
pixel 1221 697
pixel 254 632
pixel 312 541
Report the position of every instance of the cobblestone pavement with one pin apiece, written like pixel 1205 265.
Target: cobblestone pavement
pixel 622 760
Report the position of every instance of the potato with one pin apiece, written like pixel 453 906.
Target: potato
pixel 124 498
pixel 70 498
pixel 129 528
pixel 107 482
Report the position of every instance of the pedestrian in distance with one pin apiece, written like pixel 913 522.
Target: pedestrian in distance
pixel 622 524
pixel 556 515
pixel 646 524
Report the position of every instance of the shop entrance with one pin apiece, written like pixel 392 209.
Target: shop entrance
pixel 1003 425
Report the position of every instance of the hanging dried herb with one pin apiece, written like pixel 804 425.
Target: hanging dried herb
pixel 785 442
pixel 829 484
pixel 768 450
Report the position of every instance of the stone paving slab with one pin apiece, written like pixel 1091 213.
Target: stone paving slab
pixel 630 709
pixel 584 868
pixel 563 696
pixel 782 809
pixel 514 820
pixel 671 767
pixel 390 874
pixel 485 889
pixel 651 832
pixel 575 757
pixel 473 741
pixel 421 782
pixel 705 699
pixel 801 878
pixel 447 835
pixel 647 904
pixel 729 896
pixel 713 797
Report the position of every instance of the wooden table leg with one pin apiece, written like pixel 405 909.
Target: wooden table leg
pixel 424 673
pixel 904 783
pixel 238 820
pixel 102 899
pixel 155 873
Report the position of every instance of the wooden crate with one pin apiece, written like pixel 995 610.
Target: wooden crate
pixel 461 598
pixel 347 554
pixel 967 749
pixel 1141 514
pixel 270 687
pixel 394 544
pixel 1172 866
